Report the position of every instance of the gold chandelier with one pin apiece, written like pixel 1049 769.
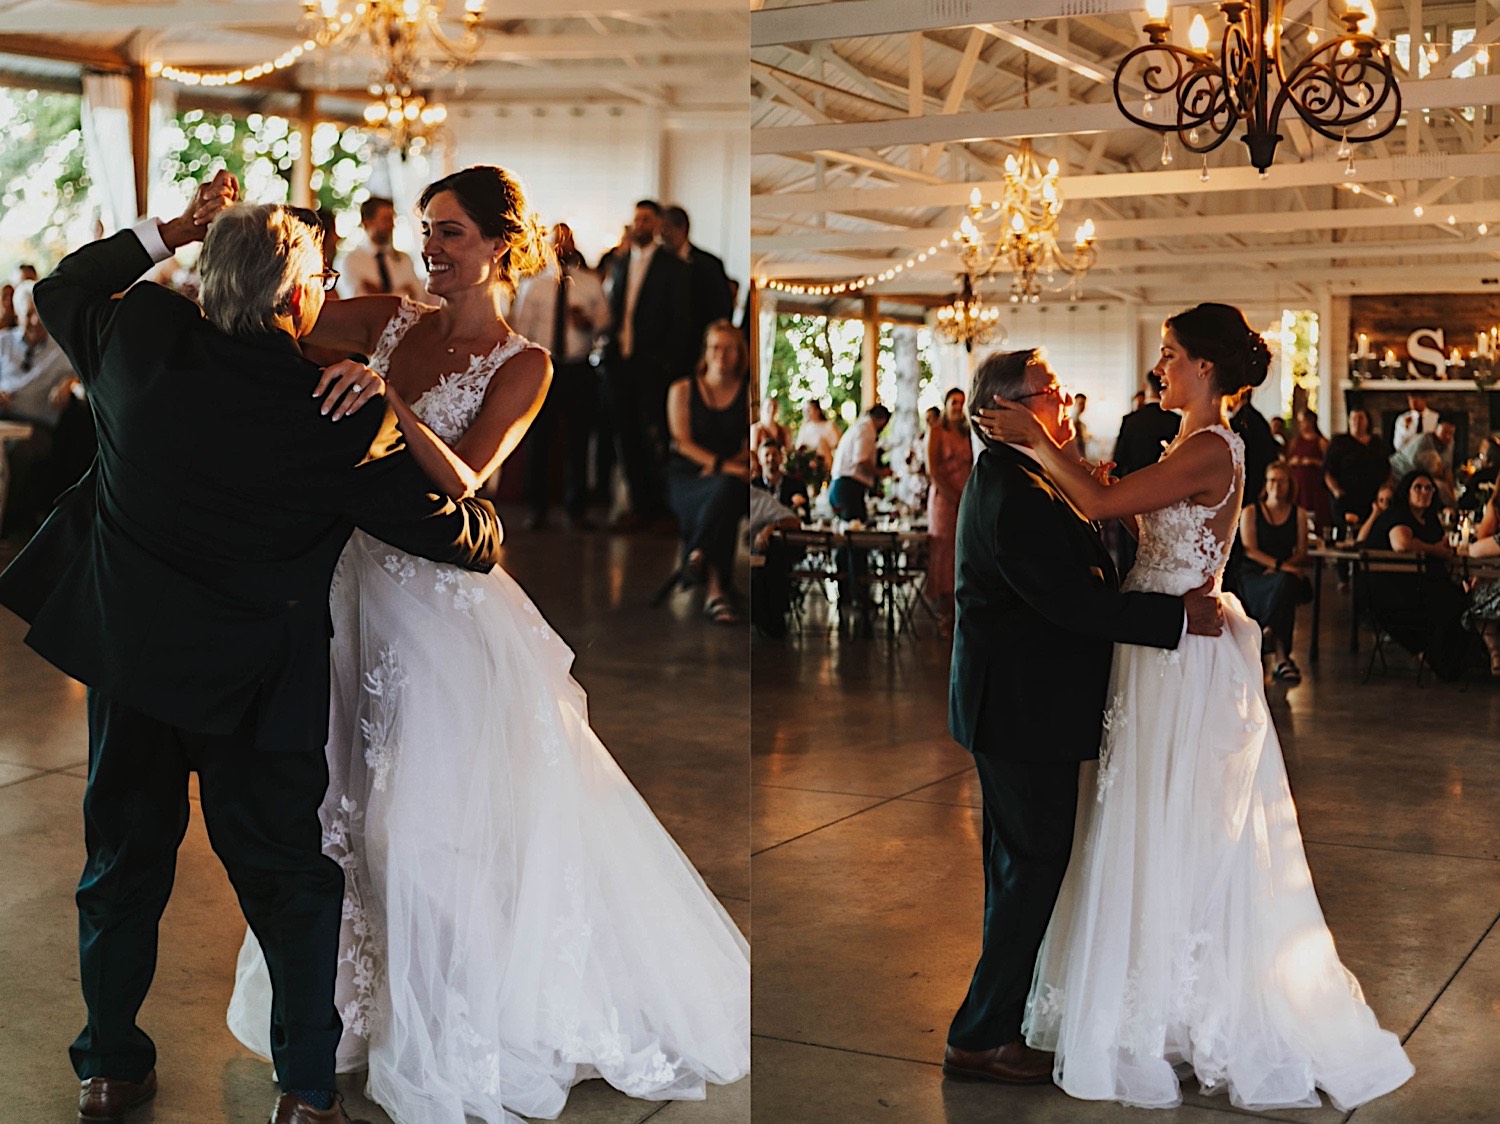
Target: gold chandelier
pixel 968 320
pixel 1026 240
pixel 407 36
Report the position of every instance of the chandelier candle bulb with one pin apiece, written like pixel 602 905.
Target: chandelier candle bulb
pixel 1156 10
pixel 1198 33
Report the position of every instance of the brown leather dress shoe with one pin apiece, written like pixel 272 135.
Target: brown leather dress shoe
pixel 294 1110
pixel 106 1100
pixel 1014 1063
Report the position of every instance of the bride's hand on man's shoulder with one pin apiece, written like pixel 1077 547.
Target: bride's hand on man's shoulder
pixel 1009 422
pixel 346 386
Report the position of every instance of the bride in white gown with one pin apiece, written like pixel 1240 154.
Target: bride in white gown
pixel 515 918
pixel 1188 936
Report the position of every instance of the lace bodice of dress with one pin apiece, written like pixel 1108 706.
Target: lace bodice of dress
pixel 1179 548
pixel 450 407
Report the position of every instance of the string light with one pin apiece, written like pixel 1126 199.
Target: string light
pixel 853 286
pixel 232 77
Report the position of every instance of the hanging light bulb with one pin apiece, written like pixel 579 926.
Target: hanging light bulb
pixel 1198 33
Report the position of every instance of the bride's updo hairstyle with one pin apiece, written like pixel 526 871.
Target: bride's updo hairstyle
pixel 1219 334
pixel 493 199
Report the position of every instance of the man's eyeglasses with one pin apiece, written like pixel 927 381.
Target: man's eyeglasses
pixel 329 278
pixel 1053 391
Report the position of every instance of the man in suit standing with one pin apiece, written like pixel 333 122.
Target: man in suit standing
pixel 185 580
pixel 377 267
pixel 710 295
pixel 650 346
pixel 1038 612
pixel 1144 433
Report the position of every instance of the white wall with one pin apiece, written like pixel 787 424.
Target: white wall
pixel 587 166
pixel 1092 347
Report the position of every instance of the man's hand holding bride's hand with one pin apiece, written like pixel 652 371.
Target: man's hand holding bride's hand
pixel 208 201
pixel 348 385
pixel 1205 612
pixel 1010 422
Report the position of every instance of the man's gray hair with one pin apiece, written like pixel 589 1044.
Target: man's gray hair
pixel 254 257
pixel 1001 375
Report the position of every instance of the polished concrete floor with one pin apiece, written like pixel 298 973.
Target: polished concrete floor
pixel 868 887
pixel 669 694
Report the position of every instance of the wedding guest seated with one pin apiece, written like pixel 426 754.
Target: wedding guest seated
pixel 1383 496
pixel 1483 612
pixel 772 476
pixel 1431 453
pixel 1272 581
pixel 708 473
pixel 35 387
pixel 770 583
pixel 1410 525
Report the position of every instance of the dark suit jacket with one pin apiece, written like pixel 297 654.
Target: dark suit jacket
pixel 187 574
pixel 662 326
pixel 1038 611
pixel 709 293
pixel 1142 433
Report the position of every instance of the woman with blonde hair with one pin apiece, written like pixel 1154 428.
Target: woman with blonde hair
pixel 515 918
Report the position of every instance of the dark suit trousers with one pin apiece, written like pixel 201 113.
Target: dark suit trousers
pixel 636 397
pixel 570 399
pixel 261 810
pixel 1029 809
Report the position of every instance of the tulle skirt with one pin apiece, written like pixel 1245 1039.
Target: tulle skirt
pixel 515 917
pixel 1188 935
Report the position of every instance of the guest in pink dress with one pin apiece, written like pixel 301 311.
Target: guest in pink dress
pixel 949 459
pixel 1304 455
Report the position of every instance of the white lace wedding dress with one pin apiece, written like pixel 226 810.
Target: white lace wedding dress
pixel 515 918
pixel 1188 935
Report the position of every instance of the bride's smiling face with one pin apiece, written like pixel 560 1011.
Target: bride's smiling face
pixel 1181 375
pixel 456 254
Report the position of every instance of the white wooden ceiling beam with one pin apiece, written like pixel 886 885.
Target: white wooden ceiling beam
pixel 858 18
pixel 1052 120
pixel 44 17
pixel 1177 226
pixel 1118 185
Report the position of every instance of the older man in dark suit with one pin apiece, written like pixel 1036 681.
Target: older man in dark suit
pixel 185 581
pixel 1038 613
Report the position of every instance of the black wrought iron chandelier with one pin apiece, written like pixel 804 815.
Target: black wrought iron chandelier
pixel 1341 84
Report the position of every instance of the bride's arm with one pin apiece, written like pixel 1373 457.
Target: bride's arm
pixel 1197 469
pixel 353 325
pixel 510 405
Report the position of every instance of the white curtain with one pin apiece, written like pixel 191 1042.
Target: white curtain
pixel 164 197
pixel 106 148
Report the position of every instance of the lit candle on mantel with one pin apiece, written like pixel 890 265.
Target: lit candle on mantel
pixel 1456 359
pixel 1482 350
pixel 1390 358
pixel 1364 351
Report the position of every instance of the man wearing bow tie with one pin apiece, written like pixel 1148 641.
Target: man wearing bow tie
pixel 1038 613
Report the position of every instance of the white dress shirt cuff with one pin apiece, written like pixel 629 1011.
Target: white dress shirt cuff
pixel 149 233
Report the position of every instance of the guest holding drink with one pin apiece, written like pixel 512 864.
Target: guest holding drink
pixel 1272 583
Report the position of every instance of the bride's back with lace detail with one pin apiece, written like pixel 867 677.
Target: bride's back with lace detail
pixel 1185 544
pixel 451 406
